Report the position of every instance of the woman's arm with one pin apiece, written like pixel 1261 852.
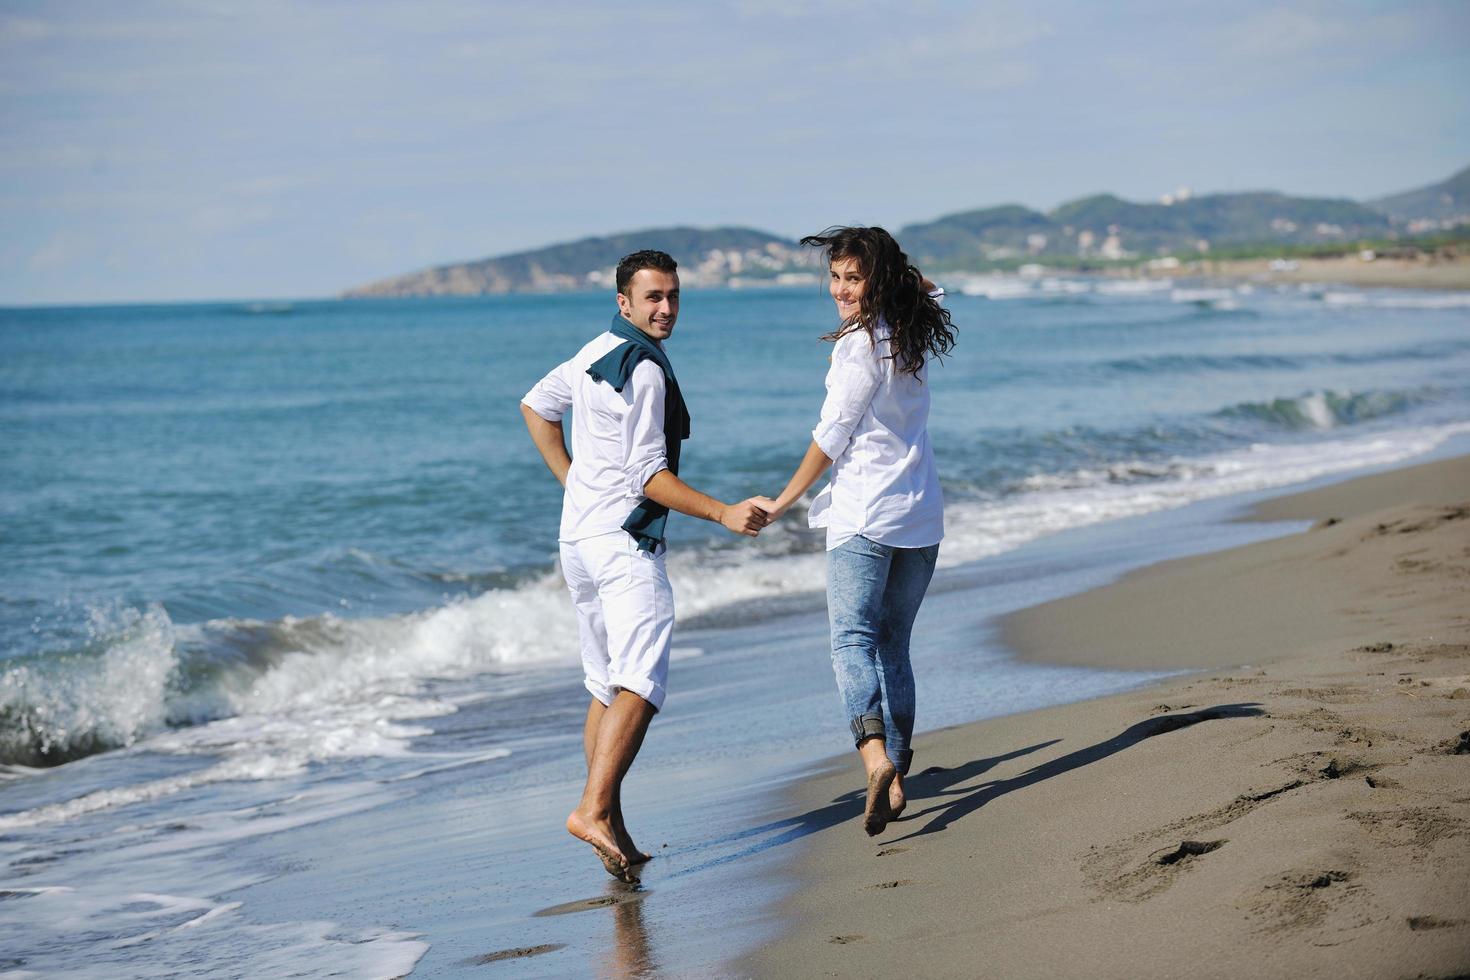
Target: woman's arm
pixel 812 466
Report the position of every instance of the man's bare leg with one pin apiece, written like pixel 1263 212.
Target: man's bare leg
pixel 881 774
pixel 595 711
pixel 619 735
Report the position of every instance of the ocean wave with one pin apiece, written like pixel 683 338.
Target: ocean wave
pixel 1090 496
pixel 330 686
pixel 1125 472
pixel 105 695
pixel 1390 300
pixel 148 922
pixel 1185 363
pixel 1182 363
pixel 1325 409
pixel 1207 298
pixel 266 699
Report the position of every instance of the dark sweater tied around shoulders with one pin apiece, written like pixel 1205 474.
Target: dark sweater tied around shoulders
pixel 646 522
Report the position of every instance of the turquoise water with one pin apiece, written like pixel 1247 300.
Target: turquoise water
pixel 260 561
pixel 226 475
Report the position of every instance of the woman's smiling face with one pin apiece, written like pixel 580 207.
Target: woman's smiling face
pixel 846 286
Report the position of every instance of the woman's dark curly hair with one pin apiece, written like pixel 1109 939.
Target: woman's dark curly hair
pixel 894 292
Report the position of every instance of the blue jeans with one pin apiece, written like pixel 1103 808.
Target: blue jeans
pixel 873 595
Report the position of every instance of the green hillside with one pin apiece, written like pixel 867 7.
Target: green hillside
pixel 588 263
pixel 1107 226
pixel 1099 228
pixel 1447 200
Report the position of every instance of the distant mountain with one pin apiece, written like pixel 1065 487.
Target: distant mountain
pixel 705 256
pixel 972 232
pixel 1102 226
pixel 1433 206
pixel 1105 226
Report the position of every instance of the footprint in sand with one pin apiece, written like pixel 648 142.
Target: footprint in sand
pixel 1186 850
pixel 600 902
pixel 1418 923
pixel 519 953
pixel 890 850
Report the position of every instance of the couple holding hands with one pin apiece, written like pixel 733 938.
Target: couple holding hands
pixel 882 509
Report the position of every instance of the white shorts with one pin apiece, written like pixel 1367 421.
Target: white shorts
pixel 625 615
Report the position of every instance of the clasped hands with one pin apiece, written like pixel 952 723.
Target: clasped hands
pixel 751 515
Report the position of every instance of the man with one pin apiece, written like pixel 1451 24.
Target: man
pixel 620 480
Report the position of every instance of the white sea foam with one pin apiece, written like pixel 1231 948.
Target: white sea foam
pixel 1315 408
pixel 1067 287
pixel 351 688
pixel 1133 287
pixel 1390 300
pixel 141 899
pixel 977 530
pixel 64 931
pixel 113 698
pixel 997 287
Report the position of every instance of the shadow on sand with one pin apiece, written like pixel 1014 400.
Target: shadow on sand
pixel 936 782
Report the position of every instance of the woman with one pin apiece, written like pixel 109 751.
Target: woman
pixel 883 510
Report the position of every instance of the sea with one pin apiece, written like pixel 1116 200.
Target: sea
pixel 288 677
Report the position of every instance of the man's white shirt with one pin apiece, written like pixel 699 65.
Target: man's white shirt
pixel 617 440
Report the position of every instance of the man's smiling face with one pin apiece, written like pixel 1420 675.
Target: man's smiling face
pixel 651 302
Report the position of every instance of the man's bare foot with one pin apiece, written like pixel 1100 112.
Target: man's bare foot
pixel 625 843
pixel 599 834
pixel 875 812
pixel 896 800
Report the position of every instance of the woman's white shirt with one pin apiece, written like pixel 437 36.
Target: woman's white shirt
pixel 874 426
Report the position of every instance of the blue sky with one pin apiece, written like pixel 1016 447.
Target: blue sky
pixel 263 149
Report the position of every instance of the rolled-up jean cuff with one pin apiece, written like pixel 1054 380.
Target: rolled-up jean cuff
pixel 865 727
pixel 904 760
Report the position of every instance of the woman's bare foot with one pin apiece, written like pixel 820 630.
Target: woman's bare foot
pixel 599 834
pixel 896 800
pixel 876 813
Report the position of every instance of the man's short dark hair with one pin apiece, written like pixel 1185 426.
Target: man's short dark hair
pixel 630 265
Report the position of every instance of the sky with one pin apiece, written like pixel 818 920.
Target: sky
pixel 199 150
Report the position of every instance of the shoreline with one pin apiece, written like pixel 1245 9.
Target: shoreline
pixel 1378 273
pixel 1325 764
pixel 1202 597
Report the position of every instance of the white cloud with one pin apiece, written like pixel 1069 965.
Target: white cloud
pixel 1284 32
pixel 226 216
pixel 63 250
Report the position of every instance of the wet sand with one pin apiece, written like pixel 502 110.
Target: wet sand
pixel 1301 809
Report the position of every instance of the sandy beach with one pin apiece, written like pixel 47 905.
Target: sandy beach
pixel 1426 272
pixel 1298 805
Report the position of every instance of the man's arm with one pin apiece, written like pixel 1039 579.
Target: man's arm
pixel 742 518
pixel 812 466
pixel 648 461
pixel 551 441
